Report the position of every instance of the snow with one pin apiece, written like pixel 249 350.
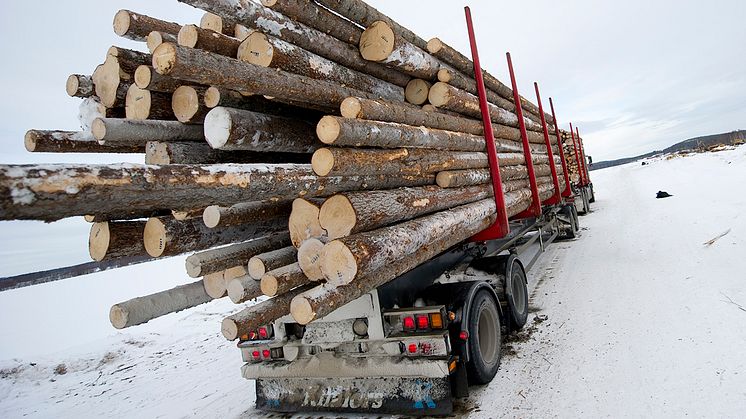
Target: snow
pixel 637 317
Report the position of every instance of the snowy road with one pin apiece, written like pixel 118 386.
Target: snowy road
pixel 637 317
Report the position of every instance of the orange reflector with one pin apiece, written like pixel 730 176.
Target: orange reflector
pixel 244 337
pixel 436 321
pixel 451 316
pixel 452 366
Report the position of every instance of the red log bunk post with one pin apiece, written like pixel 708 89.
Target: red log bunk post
pixel 577 158
pixel 500 228
pixel 555 198
pixel 568 190
pixel 587 180
pixel 535 209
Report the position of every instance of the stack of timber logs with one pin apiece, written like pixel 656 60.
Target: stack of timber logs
pixel 308 151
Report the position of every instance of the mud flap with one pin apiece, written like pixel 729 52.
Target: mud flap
pixel 400 395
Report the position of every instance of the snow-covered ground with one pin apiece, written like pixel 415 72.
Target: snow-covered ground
pixel 637 317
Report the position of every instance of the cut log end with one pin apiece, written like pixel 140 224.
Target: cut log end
pixel 439 94
pixel 193 267
pixel 417 91
pixel 303 222
pixel 229 328
pixel 121 22
pixel 351 107
pixel 118 316
pixel 269 3
pixel 153 40
pixel 241 289
pixel 322 161
pixel 213 22
pixel 256 49
pixel 242 32
pixel 377 42
pixel 137 103
pixel 98 129
pixel 142 77
pixel 328 129
pixel 443 179
pixel 164 58
pixel 337 216
pixel 211 216
pixel 269 285
pixel 434 45
pixel 301 310
pixel 185 103
pixel 98 241
pixel 215 285
pixel 72 85
pixel 309 254
pixel 188 36
pixel 218 126
pixel 444 75
pixel 212 97
pixel 337 263
pixel 256 268
pixel 29 140
pixel 154 237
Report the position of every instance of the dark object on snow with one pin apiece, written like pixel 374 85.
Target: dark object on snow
pixel 644 163
pixel 662 194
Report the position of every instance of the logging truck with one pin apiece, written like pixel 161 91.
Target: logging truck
pixel 415 343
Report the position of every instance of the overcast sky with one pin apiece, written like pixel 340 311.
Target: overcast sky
pixel 634 76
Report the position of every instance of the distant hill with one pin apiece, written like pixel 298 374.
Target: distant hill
pixel 690 144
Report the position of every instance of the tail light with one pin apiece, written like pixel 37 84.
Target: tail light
pixel 415 320
pixel 263 354
pixel 263 333
pixel 423 322
pixel 408 323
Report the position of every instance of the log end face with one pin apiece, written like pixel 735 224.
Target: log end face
pixel 417 91
pixel 218 125
pixel 211 216
pixel 72 84
pixel 154 237
pixel 377 41
pixel 439 94
pixel 269 3
pixel 309 254
pixel 188 36
pixel 337 263
pixel 322 161
pixel 229 329
pixel 121 22
pixel 268 285
pixel 241 32
pixel 153 40
pixel 211 21
pixel 215 285
pixel 98 129
pixel 443 179
pixel 164 58
pixel 193 266
pixel 337 216
pixel 118 316
pixel 236 290
pixel 137 103
pixel 98 240
pixel 29 140
pixel 143 76
pixel 185 103
pixel 256 268
pixel 301 310
pixel 444 75
pixel 351 107
pixel 328 129
pixel 434 45
pixel 256 49
pixel 212 97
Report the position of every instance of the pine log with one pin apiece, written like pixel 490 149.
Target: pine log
pixel 282 280
pixel 379 43
pixel 192 36
pixel 91 108
pixel 353 212
pixel 142 104
pixel 243 289
pixel 309 258
pixel 202 67
pixel 79 85
pixel 235 272
pixel 53 192
pixel 365 15
pixel 187 106
pixel 159 153
pixel 303 223
pixel 428 107
pixel 380 110
pixel 237 129
pixel 245 213
pixel 185 214
pixel 123 214
pixel 317 17
pixel 241 32
pixel 147 78
pixel 156 38
pixel 165 236
pixel 136 26
pixel 268 51
pixel 126 131
pixel 116 239
pixel 216 23
pixel 461 178
pixel 265 262
pixel 128 59
pixel 270 22
pixel 215 96
pixel 143 309
pixel 108 83
pixel 215 260
pixel 416 91
pixel 41 141
pixel 215 284
pixel 253 317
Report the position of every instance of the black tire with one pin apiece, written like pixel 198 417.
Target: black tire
pixel 516 292
pixel 570 216
pixel 593 194
pixel 575 218
pixel 484 339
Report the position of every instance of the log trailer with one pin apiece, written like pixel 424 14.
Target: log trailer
pixel 414 344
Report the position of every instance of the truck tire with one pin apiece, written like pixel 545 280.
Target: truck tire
pixel 570 215
pixel 576 218
pixel 584 199
pixel 593 194
pixel 484 339
pixel 516 292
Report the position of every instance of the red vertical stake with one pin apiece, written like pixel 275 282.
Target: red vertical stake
pixel 568 190
pixel 500 228
pixel 577 156
pixel 586 180
pixel 555 198
pixel 535 209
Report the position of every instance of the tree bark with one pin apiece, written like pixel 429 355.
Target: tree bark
pixel 201 153
pixel 379 43
pixel 132 132
pixel 319 18
pixel 165 236
pixel 155 38
pixel 353 212
pixel 309 258
pixel 283 279
pixel 215 260
pixel 267 51
pixel 253 317
pixel 143 104
pixel 185 214
pixel 243 289
pixel 187 105
pixel 303 222
pixel 461 178
pixel 192 36
pixel 53 192
pixel 265 262
pixel 116 239
pixel 275 24
pixel 245 213
pixel 147 78
pixel 143 309
pixel 136 26
pixel 237 129
pixel 217 24
pixel 79 85
pixel 41 141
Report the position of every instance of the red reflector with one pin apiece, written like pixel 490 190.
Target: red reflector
pixel 464 335
pixel 263 333
pixel 265 353
pixel 255 354
pixel 408 323
pixel 412 348
pixel 252 335
pixel 423 322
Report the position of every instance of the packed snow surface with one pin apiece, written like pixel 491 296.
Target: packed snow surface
pixel 643 315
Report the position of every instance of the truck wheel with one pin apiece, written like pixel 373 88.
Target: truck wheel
pixel 575 218
pixel 484 339
pixel 593 194
pixel 517 295
pixel 570 216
